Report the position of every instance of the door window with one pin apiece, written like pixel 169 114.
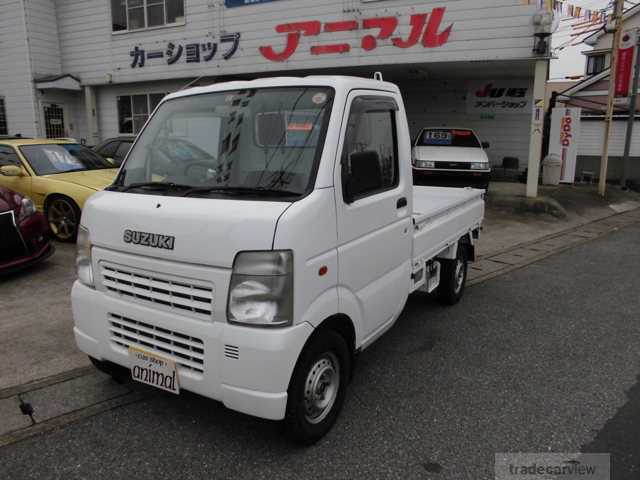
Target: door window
pixel 54 121
pixel 8 156
pixel 370 152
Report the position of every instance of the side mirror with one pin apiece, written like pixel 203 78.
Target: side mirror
pixel 485 145
pixel 11 171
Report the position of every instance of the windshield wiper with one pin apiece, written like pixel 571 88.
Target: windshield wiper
pixel 166 186
pixel 241 190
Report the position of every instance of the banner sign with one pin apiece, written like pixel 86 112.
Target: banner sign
pixel 242 3
pixel 564 140
pixel 625 63
pixel 507 97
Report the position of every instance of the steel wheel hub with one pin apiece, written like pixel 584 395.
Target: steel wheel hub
pixel 459 275
pixel 321 388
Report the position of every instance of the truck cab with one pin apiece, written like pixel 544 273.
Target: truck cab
pixel 258 235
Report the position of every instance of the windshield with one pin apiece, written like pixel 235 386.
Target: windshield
pixel 61 158
pixel 448 137
pixel 267 139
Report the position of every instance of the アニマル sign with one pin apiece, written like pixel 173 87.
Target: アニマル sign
pixel 425 31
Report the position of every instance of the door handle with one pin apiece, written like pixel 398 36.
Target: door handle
pixel 402 202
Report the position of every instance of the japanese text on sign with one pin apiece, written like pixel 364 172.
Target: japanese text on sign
pixel 499 97
pixel 424 29
pixel 195 52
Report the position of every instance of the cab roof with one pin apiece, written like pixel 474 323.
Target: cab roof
pixel 337 82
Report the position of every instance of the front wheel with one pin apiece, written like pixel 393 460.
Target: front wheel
pixel 453 278
pixel 63 216
pixel 317 389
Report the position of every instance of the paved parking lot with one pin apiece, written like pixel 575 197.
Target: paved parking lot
pixel 36 335
pixel 553 367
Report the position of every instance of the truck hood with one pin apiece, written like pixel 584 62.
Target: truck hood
pixel 450 154
pixel 205 231
pixel 93 179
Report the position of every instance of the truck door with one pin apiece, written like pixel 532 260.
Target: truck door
pixel 373 192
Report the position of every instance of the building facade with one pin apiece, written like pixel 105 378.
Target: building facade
pixel 94 69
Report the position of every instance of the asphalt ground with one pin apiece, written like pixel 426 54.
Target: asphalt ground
pixel 540 359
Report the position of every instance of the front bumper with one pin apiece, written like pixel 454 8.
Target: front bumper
pixel 452 178
pixel 247 369
pixel 34 245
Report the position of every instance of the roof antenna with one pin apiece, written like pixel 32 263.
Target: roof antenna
pixel 378 76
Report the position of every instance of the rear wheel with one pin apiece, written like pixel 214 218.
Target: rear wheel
pixel 63 216
pixel 317 389
pixel 453 278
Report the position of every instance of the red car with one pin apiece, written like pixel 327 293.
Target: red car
pixel 24 233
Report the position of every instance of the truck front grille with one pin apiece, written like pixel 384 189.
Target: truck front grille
pixel 184 350
pixel 184 295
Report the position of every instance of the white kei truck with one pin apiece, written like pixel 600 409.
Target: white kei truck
pixel 258 236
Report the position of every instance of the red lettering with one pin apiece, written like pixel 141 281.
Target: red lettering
pixel 432 38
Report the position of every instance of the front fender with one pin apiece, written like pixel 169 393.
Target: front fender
pixel 350 306
pixel 43 188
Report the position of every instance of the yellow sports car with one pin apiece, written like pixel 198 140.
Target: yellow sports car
pixel 58 175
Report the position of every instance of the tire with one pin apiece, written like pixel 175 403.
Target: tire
pixel 453 278
pixel 325 363
pixel 63 218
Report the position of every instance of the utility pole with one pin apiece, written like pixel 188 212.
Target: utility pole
pixel 632 116
pixel 617 23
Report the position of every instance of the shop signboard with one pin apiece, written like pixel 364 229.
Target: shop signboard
pixel 500 97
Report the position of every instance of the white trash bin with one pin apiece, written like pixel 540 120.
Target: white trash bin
pixel 551 170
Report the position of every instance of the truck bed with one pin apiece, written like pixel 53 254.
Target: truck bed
pixel 441 216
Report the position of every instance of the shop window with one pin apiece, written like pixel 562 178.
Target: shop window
pixel 595 64
pixel 128 15
pixel 134 110
pixel 3 119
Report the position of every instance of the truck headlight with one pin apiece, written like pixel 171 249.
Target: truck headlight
pixel 480 166
pixel 83 258
pixel 261 289
pixel 424 164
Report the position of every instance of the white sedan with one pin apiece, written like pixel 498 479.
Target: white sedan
pixel 450 156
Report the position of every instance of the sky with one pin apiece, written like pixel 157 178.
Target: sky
pixel 571 61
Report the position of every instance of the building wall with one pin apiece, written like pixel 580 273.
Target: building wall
pixel 592 137
pixel 42 28
pixel 482 30
pixel 16 79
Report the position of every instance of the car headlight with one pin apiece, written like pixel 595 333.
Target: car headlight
pixel 261 289
pixel 83 258
pixel 480 166
pixel 425 164
pixel 27 208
